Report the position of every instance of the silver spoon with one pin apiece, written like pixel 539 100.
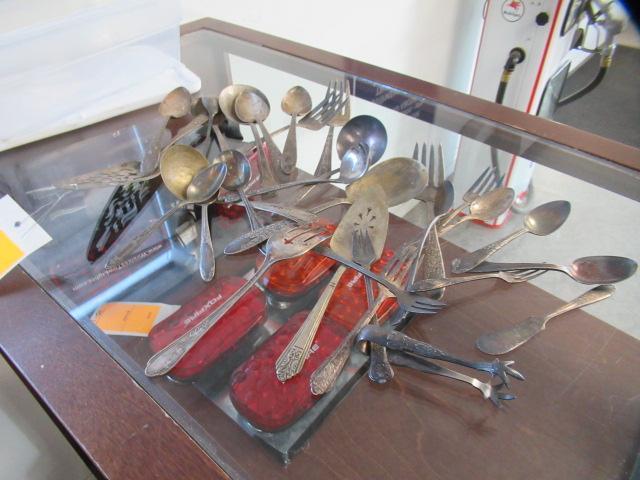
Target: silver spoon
pixel 587 270
pixel 238 175
pixel 510 338
pixel 542 220
pixel 486 207
pixel 252 107
pixel 180 167
pixel 176 104
pixel 215 175
pixel 296 101
pixel 226 102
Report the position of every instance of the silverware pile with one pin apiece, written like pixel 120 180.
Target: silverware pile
pixel 415 277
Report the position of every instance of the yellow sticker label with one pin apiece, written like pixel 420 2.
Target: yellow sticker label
pixel 10 254
pixel 126 318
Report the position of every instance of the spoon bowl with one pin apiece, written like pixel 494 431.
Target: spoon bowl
pixel 227 100
pixel 251 106
pixel 176 104
pixel 364 132
pixel 179 164
pixel 296 101
pixel 602 269
pixel 492 204
pixel 401 179
pixel 206 183
pixel 238 169
pixel 547 218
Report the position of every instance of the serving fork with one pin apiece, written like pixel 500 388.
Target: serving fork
pixel 283 246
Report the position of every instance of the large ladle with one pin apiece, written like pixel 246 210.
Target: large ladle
pixel 542 220
pixel 181 166
pixel 296 101
pixel 486 207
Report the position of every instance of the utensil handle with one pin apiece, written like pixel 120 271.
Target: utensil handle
pixel 167 358
pixel 266 174
pixel 254 221
pixel 507 266
pixel 290 149
pixel 324 377
pixel 452 215
pixel 222 140
pixel 207 255
pixel 139 239
pixel 454 223
pixel 329 204
pixel 298 215
pixel 436 283
pixel 327 252
pixel 473 259
pixel 282 186
pixel 193 124
pixel 275 155
pixel 594 295
pixel 292 358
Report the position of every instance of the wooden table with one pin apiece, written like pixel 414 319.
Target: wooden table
pixel 577 415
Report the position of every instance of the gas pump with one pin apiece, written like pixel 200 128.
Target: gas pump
pixel 527 50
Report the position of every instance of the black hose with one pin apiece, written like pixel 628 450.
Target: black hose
pixel 583 91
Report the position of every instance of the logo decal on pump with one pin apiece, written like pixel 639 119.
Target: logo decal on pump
pixel 512 10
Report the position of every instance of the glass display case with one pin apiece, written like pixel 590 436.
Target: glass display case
pixel 576 415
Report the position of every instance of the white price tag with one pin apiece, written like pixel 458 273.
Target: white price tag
pixel 20 235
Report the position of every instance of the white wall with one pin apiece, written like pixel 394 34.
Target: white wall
pixel 433 40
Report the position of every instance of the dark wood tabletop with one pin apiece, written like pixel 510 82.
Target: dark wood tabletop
pixel 577 415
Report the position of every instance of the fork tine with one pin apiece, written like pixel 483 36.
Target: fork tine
pixel 479 180
pixel 431 181
pixel 440 180
pixel 415 152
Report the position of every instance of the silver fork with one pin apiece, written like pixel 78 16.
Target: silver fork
pixel 339 118
pixel 290 244
pixel 324 377
pixel 487 181
pixel 431 257
pixel 410 301
pixel 489 391
pixel 334 100
pixel 507 276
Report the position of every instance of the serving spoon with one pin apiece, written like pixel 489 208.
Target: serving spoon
pixel 296 101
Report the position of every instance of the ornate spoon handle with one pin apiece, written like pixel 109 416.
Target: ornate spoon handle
pixel 207 256
pixel 324 377
pixel 436 283
pixel 292 358
pixel 167 358
pixel 470 260
pixel 290 149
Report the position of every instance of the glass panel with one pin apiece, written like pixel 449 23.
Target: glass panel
pixel 217 391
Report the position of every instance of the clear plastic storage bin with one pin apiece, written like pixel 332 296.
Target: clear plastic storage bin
pixel 69 65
